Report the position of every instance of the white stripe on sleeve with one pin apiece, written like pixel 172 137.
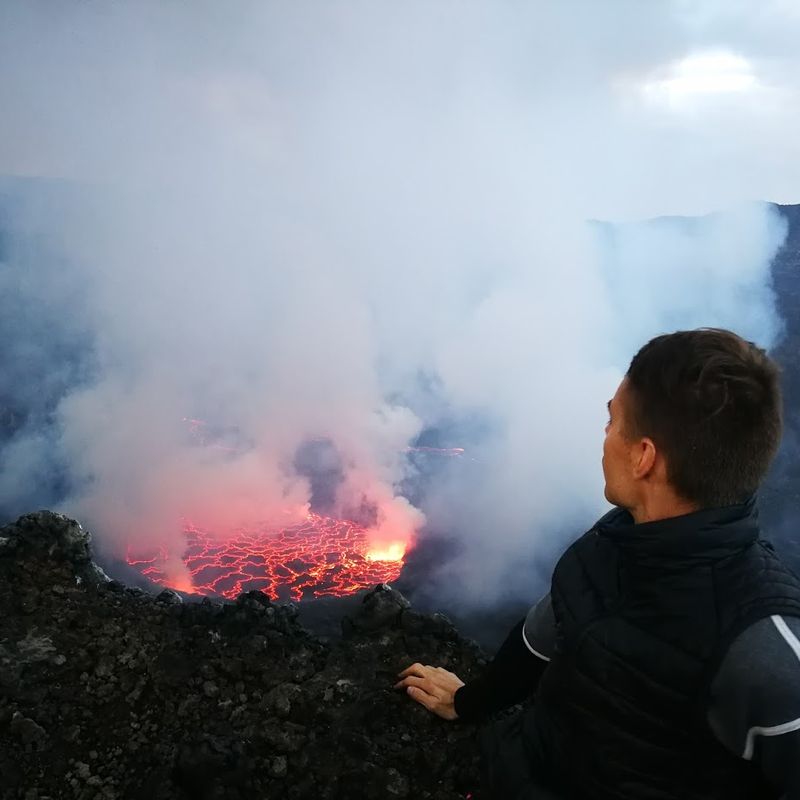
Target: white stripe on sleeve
pixel 776 730
pixel 785 631
pixel 528 645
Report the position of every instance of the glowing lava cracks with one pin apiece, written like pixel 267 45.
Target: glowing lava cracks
pixel 322 556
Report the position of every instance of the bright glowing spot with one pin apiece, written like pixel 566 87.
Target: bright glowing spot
pixel 391 552
pixel 702 75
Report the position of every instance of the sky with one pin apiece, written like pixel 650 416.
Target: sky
pixel 361 221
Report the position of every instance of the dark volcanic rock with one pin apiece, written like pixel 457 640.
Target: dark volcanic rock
pixel 109 692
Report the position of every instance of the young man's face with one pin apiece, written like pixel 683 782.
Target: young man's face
pixel 617 466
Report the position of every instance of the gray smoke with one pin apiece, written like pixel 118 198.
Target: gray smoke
pixel 353 222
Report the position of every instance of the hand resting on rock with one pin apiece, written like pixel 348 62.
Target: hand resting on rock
pixel 432 687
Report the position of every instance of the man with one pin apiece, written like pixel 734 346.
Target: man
pixel 665 661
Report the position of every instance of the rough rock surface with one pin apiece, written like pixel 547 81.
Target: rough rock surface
pixel 109 692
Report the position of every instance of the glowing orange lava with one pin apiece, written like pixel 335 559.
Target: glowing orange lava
pixel 322 556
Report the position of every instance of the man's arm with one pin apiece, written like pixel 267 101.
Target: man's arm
pixel 510 678
pixel 755 700
pixel 512 675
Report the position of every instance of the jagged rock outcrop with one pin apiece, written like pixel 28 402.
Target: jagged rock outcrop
pixel 110 692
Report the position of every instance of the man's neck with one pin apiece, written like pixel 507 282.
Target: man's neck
pixel 658 507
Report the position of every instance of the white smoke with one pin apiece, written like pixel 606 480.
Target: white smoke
pixel 283 215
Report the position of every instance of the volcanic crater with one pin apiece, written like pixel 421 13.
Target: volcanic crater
pixel 110 691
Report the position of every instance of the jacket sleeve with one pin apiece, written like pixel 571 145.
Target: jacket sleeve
pixel 755 700
pixel 514 672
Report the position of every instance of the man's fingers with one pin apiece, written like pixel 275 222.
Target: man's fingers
pixel 415 669
pixel 427 685
pixel 423 698
pixel 431 687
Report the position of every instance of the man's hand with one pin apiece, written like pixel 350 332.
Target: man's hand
pixel 433 687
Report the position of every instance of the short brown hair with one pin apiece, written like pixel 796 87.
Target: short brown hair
pixel 711 403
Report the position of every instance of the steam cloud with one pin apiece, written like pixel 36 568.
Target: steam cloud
pixel 355 222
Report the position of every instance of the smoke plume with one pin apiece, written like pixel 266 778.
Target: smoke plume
pixel 227 232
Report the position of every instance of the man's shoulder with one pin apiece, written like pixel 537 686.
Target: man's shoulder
pixel 767 648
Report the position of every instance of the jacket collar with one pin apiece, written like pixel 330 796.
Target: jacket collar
pixel 709 533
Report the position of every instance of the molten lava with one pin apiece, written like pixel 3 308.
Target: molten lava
pixel 322 556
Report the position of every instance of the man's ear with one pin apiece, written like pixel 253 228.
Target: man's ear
pixel 643 458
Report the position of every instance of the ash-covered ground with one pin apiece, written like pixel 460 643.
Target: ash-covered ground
pixel 111 692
